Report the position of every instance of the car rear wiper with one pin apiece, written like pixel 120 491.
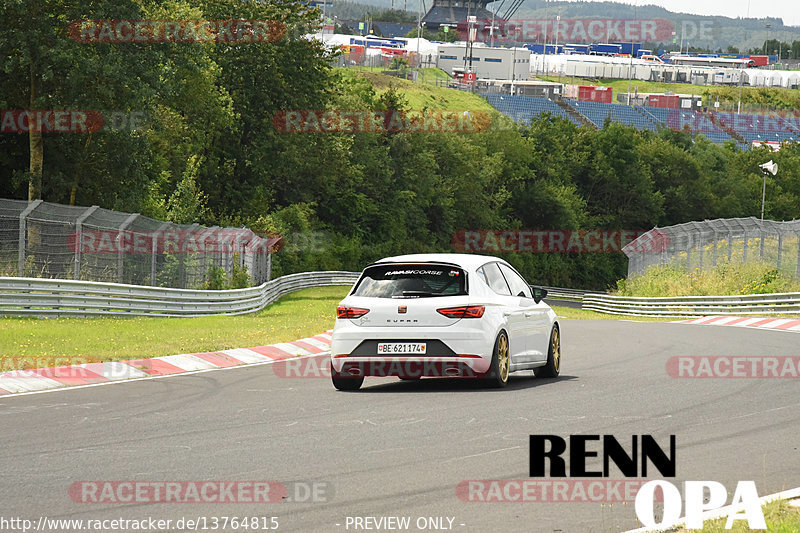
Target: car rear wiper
pixel 419 293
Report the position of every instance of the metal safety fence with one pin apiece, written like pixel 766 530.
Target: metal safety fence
pixel 680 306
pixel 706 244
pixel 46 240
pixel 561 293
pixel 58 298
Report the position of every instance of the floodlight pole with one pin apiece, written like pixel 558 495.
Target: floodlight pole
pixel 741 80
pixel 419 32
pixel 491 32
pixel 773 169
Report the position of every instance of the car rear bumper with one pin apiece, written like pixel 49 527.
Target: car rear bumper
pixel 454 351
pixel 459 339
pixel 411 366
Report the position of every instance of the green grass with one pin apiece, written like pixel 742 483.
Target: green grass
pixel 779 515
pixel 621 86
pixel 29 342
pixel 428 75
pixel 570 313
pixel 724 279
pixel 423 95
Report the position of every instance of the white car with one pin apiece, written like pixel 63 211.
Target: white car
pixel 443 315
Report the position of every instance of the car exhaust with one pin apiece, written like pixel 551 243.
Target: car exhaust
pixel 452 371
pixel 355 371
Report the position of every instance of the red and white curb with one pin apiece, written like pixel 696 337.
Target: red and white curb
pixel 777 324
pixel 41 379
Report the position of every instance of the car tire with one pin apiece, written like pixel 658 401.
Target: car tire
pixel 501 360
pixel 553 366
pixel 345 382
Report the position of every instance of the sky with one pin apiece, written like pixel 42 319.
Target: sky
pixel 788 10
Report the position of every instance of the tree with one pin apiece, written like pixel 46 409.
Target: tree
pixel 449 36
pixel 188 203
pixel 43 69
pixel 795 50
pixel 172 85
pixel 394 15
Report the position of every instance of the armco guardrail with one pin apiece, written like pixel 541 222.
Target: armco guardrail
pixel 50 297
pixel 560 293
pixel 748 304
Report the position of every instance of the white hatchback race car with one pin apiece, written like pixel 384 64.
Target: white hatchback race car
pixel 443 315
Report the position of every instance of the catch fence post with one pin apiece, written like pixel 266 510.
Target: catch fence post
pixel 79 239
pixel 23 223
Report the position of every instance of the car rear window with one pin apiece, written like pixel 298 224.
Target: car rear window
pixel 411 281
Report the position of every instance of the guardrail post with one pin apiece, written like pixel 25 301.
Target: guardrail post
pixel 128 221
pixel 79 239
pixel 23 223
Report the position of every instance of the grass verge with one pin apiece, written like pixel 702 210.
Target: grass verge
pixel 33 342
pixel 780 516
pixel 571 313
pixel 724 279
pixel 423 95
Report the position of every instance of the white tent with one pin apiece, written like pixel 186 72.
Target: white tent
pixel 426 47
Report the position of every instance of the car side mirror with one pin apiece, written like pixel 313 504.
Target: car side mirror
pixel 539 294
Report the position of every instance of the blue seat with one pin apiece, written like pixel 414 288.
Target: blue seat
pixel 714 127
pixel 523 109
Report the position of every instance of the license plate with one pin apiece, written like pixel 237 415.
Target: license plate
pixel 401 348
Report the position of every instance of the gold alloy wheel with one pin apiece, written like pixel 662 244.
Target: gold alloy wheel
pixel 502 358
pixel 556 347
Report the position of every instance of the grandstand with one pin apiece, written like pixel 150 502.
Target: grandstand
pixel 742 129
pixel 524 108
pixel 762 128
pixel 598 112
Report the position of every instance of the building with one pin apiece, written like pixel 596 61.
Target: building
pixel 486 62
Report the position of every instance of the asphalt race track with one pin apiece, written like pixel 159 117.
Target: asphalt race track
pixel 401 448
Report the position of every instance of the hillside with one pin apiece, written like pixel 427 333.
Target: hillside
pixel 741 33
pixel 424 95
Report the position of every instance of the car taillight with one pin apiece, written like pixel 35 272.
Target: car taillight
pixel 350 312
pixel 467 311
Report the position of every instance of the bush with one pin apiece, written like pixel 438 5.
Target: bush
pixel 725 279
